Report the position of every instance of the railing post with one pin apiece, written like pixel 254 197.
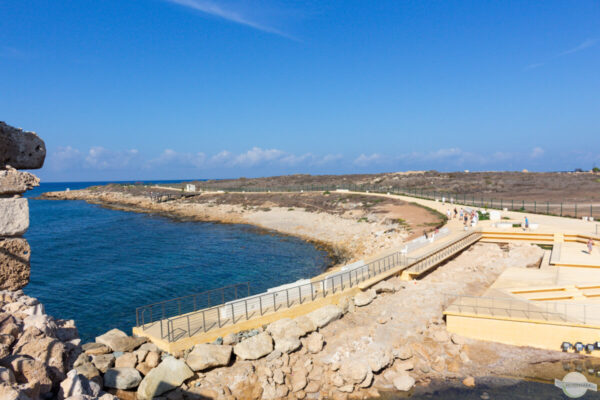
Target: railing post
pixel 274 302
pixel 203 321
pixel 300 294
pixel 219 316
pixel 189 329
pixel 260 303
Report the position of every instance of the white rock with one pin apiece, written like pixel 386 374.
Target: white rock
pixel 124 378
pixel 169 374
pixel 255 347
pixel 364 298
pixel 14 216
pixel 205 356
pixel 77 385
pixel 404 382
pixel 324 315
pixel 314 342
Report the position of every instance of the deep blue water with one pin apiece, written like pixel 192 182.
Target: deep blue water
pixel 96 265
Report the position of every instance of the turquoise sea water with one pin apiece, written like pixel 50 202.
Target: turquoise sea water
pixel 96 265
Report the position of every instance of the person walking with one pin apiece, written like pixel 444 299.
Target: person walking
pixel 526 223
pixel 590 245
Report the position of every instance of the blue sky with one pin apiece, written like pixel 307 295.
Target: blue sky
pixel 179 89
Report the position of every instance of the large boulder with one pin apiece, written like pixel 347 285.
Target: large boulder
pixel 122 378
pixel 118 340
pixel 205 356
pixel 354 371
pixel 364 298
pixel 77 385
pixel 14 216
pixel 16 182
pixel 305 324
pixel 314 342
pixel 169 374
pixel 47 350
pixel 29 370
pixel 127 360
pixel 324 315
pixel 286 334
pixel 20 149
pixel 14 263
pixel 404 382
pixel 255 347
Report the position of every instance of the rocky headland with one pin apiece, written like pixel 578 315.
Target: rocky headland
pixel 350 226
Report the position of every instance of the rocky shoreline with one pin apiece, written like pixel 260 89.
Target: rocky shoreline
pixel 350 236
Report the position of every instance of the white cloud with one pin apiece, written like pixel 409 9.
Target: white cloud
pixel 537 152
pixel 364 160
pixel 219 10
pixel 256 155
pixel 586 44
pixel 99 157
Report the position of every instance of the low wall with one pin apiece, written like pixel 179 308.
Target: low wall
pixel 522 332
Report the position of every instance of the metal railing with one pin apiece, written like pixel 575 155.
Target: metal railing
pixel 231 312
pixel 443 251
pixel 189 323
pixel 156 313
pixel 564 312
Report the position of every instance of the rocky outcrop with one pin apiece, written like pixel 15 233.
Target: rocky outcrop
pixel 20 149
pixel 14 263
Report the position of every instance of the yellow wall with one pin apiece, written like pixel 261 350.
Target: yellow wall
pixel 540 334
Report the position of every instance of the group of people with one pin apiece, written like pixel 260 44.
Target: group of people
pixel 468 218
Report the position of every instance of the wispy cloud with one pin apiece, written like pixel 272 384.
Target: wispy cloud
pixel 586 44
pixel 236 16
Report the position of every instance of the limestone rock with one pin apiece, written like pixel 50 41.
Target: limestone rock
pixel 152 359
pixel 76 385
pixel 88 370
pixel 118 340
pixel 94 349
pixel 15 182
pixel 47 350
pixel 14 216
pixel 378 359
pixel 469 381
pixel 287 344
pixel 170 373
pixel 364 298
pixel 284 327
pixel 314 342
pixel 298 381
pixel 8 392
pixel 230 339
pixel 205 356
pixel 140 355
pixel 42 322
pixel 324 315
pixel 123 378
pixel 144 368
pixel 20 149
pixel 14 263
pixel 404 382
pixel 305 324
pixel 354 371
pixel 127 360
pixel 103 362
pixel 403 353
pixel 7 376
pixel 255 347
pixel 29 370
pixel 149 347
pixel 384 287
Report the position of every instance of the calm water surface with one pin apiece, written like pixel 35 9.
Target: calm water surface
pixel 96 265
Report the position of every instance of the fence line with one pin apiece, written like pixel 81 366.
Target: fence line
pixel 563 209
pixel 587 314
pixel 191 323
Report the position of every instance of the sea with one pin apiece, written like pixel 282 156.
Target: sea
pixel 96 265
